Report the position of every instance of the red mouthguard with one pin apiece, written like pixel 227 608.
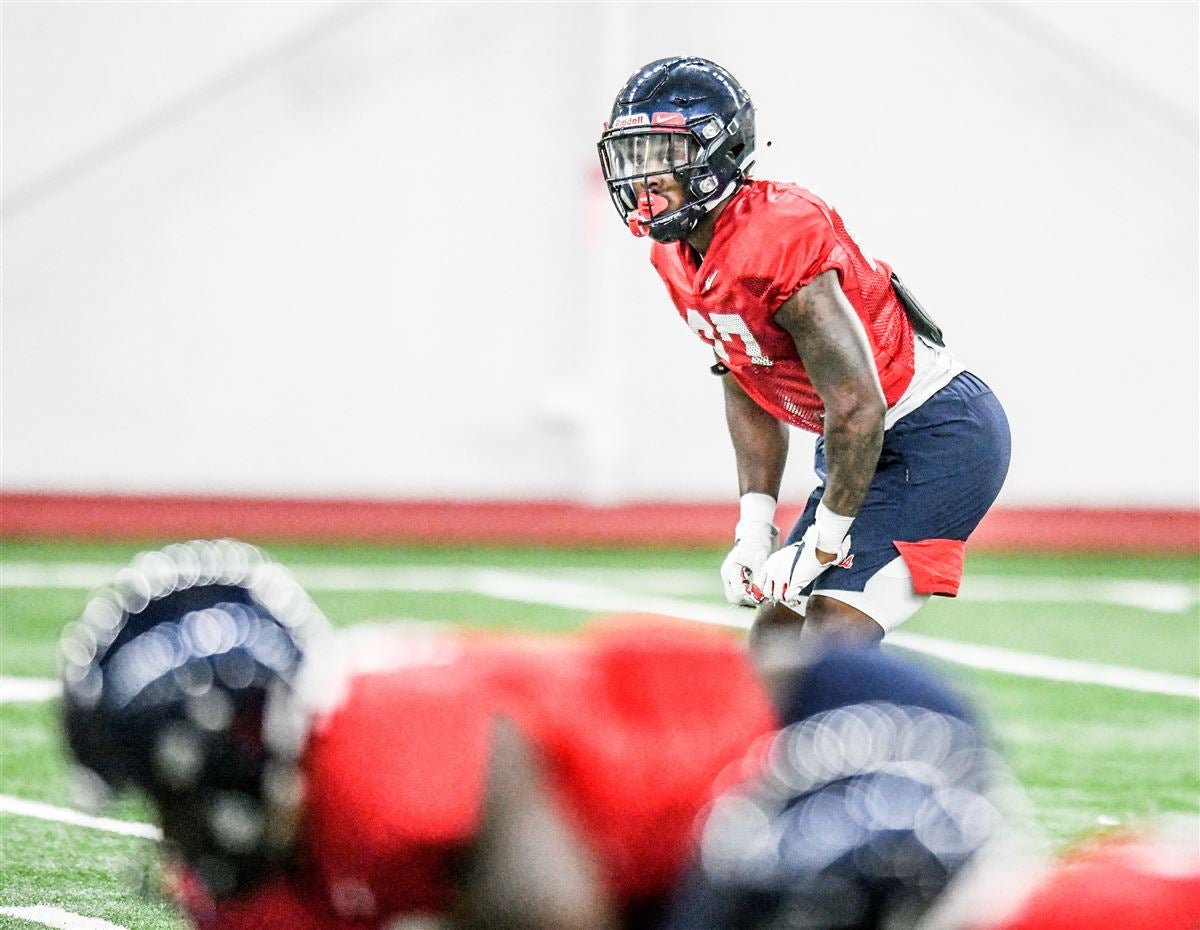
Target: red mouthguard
pixel 649 206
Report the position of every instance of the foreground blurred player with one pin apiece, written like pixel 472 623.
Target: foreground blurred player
pixel 1148 879
pixel 809 331
pixel 305 781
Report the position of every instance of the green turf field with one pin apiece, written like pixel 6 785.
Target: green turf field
pixel 1090 756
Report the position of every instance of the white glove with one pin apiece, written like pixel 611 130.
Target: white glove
pixel 754 538
pixel 786 574
pixel 754 541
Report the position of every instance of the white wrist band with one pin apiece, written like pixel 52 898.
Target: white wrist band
pixel 831 528
pixel 758 507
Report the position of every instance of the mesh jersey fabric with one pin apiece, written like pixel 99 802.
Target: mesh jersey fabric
pixel 771 240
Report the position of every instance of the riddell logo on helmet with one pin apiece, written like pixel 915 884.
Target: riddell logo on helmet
pixel 634 119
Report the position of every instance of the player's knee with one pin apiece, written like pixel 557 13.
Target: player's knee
pixel 777 647
pixel 831 619
pixel 773 623
pixel 772 614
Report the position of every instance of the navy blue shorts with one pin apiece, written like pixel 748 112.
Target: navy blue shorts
pixel 940 470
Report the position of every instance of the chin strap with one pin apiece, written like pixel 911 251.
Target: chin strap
pixel 649 205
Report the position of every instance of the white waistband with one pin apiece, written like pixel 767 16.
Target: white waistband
pixel 933 368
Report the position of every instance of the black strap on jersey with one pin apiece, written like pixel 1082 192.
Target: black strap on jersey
pixel 719 369
pixel 922 322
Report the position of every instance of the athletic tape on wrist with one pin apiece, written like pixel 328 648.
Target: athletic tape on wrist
pixel 757 507
pixel 831 528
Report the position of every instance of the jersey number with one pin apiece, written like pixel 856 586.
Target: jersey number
pixel 722 329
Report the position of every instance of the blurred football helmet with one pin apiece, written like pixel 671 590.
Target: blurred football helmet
pixel 686 117
pixel 865 809
pixel 167 679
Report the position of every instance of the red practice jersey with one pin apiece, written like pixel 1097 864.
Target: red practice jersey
pixel 770 241
pixel 636 726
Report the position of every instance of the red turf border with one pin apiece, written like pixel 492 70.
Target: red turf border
pixel 124 517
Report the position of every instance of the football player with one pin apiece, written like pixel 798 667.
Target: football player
pixel 810 331
pixel 310 782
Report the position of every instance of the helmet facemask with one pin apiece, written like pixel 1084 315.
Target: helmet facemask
pixel 631 159
pixel 703 156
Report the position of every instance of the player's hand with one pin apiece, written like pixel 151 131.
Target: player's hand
pixel 786 574
pixel 754 541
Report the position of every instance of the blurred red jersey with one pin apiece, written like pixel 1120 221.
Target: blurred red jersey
pixel 634 725
pixel 770 241
pixel 1118 883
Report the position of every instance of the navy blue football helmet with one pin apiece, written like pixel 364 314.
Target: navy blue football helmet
pixel 687 117
pixel 167 680
pixel 870 803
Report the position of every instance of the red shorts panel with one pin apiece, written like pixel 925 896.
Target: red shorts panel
pixel 936 565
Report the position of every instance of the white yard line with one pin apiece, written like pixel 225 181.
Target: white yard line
pixel 55 575
pixel 512 586
pixel 1030 665
pixel 557 592
pixel 40 811
pixel 558 589
pixel 28 690
pixel 57 918
pixel 1155 596
pixel 1167 597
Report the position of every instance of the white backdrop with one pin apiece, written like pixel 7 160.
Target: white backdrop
pixel 344 249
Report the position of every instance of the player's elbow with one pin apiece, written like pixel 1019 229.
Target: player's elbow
pixel 860 410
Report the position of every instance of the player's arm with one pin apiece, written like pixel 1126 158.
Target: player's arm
pixel 836 354
pixel 760 444
pixel 527 868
